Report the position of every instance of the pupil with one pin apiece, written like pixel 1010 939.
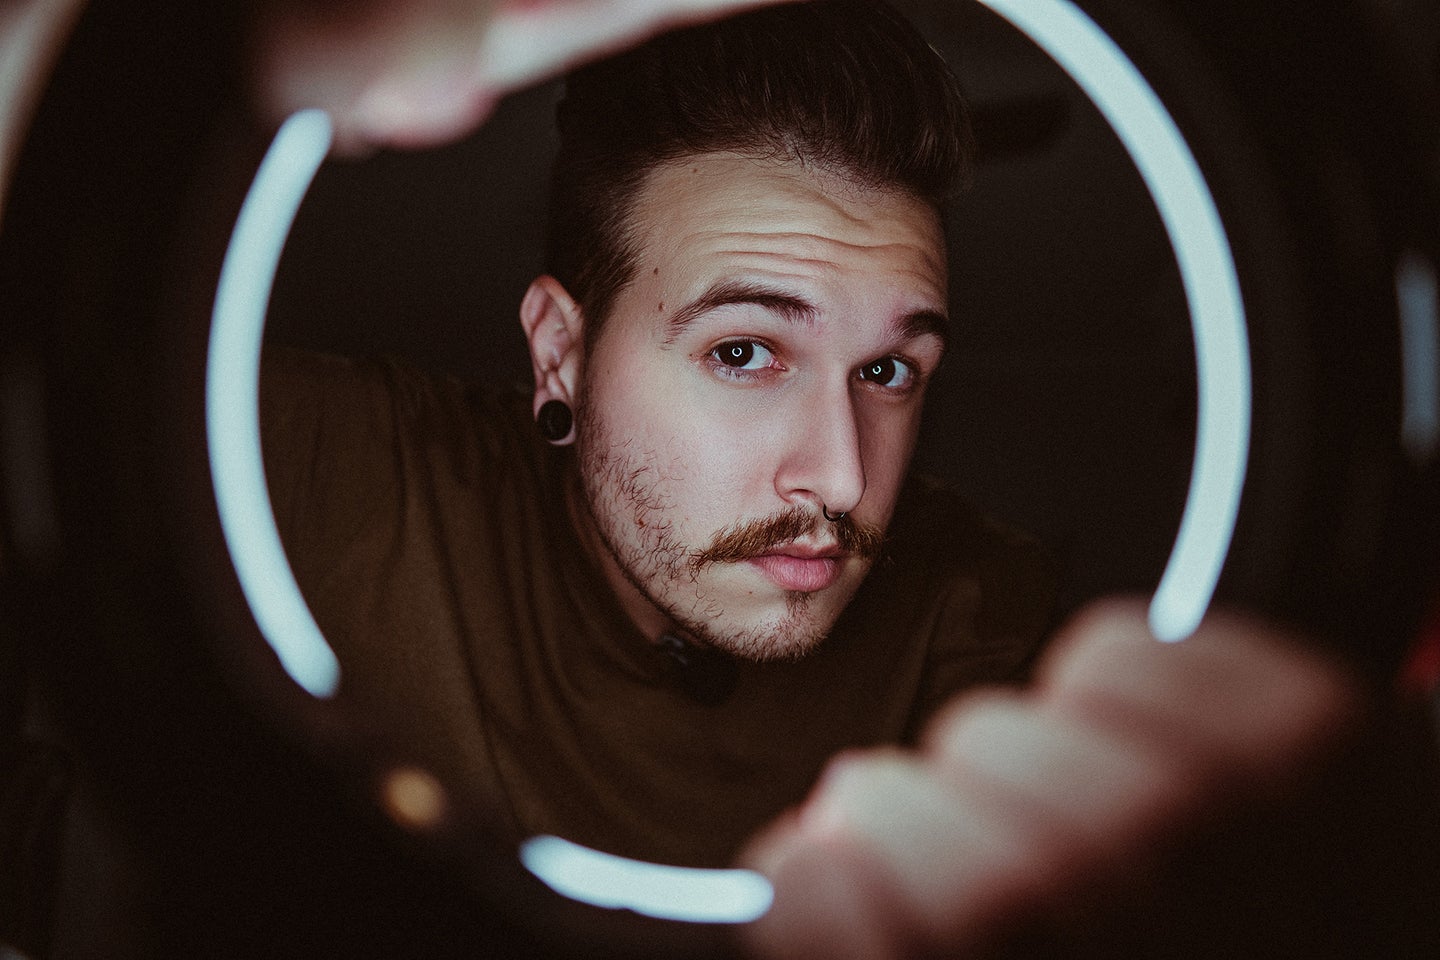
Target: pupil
pixel 738 354
pixel 880 370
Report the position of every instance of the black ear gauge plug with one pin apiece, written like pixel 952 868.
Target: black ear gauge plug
pixel 554 420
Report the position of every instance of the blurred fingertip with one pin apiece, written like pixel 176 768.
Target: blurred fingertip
pixel 416 115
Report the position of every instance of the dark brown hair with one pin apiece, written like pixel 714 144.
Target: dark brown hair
pixel 848 86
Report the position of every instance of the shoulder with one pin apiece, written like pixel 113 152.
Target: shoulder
pixel 350 442
pixel 323 399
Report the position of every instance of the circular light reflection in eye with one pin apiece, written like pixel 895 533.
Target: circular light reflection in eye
pixel 1212 289
pixel 232 402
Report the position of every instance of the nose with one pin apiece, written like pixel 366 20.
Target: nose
pixel 823 463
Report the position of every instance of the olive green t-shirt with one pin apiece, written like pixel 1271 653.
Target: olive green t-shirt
pixel 426 527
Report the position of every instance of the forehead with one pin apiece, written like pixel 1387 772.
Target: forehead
pixel 710 214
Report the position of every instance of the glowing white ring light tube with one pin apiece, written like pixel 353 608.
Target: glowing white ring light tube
pixel 670 893
pixel 1212 289
pixel 232 403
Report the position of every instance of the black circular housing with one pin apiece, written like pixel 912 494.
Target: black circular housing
pixel 251 808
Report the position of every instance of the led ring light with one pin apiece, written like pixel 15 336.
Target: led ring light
pixel 1212 289
pixel 232 402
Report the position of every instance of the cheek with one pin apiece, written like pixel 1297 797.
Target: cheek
pixel 713 448
pixel 721 457
pixel 722 466
pixel 706 462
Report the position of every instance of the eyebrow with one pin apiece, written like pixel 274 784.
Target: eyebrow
pixel 915 325
pixel 790 307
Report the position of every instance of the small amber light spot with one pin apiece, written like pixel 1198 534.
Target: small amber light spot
pixel 413 798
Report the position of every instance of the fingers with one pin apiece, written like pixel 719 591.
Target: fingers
pixel 1088 796
pixel 841 869
pixel 1009 812
pixel 832 900
pixel 389 73
pixel 1041 805
pixel 1238 700
pixel 419 73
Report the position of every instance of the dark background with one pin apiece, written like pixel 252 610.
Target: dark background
pixel 1066 409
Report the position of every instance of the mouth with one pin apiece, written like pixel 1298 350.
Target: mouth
pixel 800 569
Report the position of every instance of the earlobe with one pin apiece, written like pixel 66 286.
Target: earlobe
pixel 554 329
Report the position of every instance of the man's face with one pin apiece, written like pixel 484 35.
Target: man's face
pixel 768 360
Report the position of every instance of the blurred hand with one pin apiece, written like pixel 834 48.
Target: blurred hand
pixel 1046 803
pixel 416 73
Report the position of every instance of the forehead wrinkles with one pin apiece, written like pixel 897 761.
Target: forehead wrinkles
pixel 812 250
pixel 728 204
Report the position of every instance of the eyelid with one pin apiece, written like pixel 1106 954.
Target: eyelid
pixel 729 372
pixel 918 375
pixel 924 369
pixel 759 341
pixel 756 347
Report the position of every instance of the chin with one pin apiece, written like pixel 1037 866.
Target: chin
pixel 768 649
pixel 791 636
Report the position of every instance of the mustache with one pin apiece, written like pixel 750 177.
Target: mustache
pixel 754 538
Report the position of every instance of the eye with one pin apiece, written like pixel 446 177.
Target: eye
pixel 743 355
pixel 888 372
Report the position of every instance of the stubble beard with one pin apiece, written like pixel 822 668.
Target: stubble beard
pixel 624 493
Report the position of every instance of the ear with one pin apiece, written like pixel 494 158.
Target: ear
pixel 555 330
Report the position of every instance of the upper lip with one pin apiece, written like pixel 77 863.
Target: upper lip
pixel 806 551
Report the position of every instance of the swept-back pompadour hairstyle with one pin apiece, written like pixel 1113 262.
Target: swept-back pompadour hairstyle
pixel 845 85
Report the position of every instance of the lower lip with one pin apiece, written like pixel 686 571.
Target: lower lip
pixel 800 574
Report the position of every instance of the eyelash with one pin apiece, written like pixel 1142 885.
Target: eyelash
pixel 912 383
pixel 740 374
